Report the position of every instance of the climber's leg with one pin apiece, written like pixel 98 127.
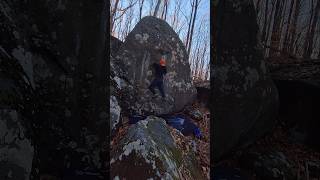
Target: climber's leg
pixel 152 85
pixel 160 86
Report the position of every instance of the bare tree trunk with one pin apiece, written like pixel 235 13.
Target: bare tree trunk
pixel 166 11
pixel 189 24
pixel 294 27
pixel 192 27
pixel 264 30
pixel 275 35
pixel 286 38
pixel 270 27
pixel 309 50
pixel 176 15
pixel 308 35
pixel 140 8
pixel 157 8
pixel 204 50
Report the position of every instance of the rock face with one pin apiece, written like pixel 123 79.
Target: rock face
pixel 245 99
pixel 141 49
pixel 115 110
pixel 115 45
pixel 149 151
pixel 16 149
pixel 52 72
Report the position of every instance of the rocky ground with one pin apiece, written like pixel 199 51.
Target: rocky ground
pixel 200 115
pixel 275 156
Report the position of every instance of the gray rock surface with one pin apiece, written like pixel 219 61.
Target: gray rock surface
pixel 16 148
pixel 245 99
pixel 53 67
pixel 149 151
pixel 141 49
pixel 115 45
pixel 115 111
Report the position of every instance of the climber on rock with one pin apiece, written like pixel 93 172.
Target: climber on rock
pixel 160 71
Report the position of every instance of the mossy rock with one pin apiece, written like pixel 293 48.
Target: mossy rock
pixel 149 151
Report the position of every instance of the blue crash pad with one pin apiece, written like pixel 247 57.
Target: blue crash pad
pixel 183 124
pixel 179 122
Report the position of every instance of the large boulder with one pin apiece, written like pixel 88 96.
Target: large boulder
pixel 245 99
pixel 54 54
pixel 148 150
pixel 115 45
pixel 141 49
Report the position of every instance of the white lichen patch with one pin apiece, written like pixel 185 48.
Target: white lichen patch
pixel 138 36
pixel 114 112
pixel 142 38
pixel 170 164
pixel 112 160
pixel 144 123
pixel 135 145
pixel 16 34
pixel 118 81
pixel 145 37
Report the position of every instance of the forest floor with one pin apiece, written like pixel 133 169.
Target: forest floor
pixel 298 155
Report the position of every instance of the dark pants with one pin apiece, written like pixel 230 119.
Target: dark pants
pixel 159 84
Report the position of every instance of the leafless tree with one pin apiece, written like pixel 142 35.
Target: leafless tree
pixel 155 13
pixel 195 5
pixel 140 8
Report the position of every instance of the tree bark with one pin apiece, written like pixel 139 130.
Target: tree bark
pixel 192 27
pixel 309 50
pixel 140 9
pixel 157 8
